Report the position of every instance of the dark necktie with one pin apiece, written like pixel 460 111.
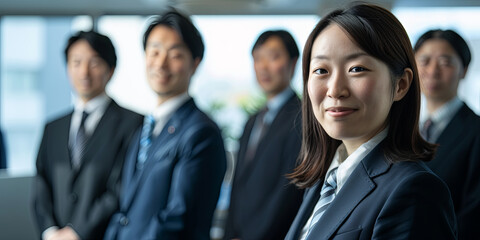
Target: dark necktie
pixel 145 140
pixel 80 142
pixel 427 129
pixel 258 132
pixel 326 197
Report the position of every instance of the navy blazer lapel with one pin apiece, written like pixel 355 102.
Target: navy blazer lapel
pixel 357 187
pixel 159 145
pixel 129 176
pixel 310 199
pixel 163 142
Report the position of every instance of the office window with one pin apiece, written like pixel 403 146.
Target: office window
pixel 34 87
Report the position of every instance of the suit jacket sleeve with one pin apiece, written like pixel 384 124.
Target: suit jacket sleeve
pixel 195 186
pixel 411 212
pixel 42 187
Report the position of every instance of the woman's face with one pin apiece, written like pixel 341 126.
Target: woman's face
pixel 350 91
pixel 440 70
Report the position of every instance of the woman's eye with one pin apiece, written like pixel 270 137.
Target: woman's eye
pixel 357 69
pixel 320 71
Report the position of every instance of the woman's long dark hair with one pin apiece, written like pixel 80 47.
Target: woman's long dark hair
pixel 376 31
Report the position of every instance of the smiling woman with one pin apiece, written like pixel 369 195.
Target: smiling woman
pixel 349 97
pixel 362 154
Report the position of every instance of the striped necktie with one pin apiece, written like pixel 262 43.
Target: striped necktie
pixel 145 140
pixel 427 129
pixel 326 197
pixel 80 142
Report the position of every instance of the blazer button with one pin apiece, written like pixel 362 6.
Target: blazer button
pixel 73 197
pixel 124 221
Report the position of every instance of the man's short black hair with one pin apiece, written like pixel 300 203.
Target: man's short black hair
pixel 284 36
pixel 183 25
pixel 100 43
pixel 453 38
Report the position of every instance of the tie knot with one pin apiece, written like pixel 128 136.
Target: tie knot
pixel 428 123
pixel 264 110
pixel 149 119
pixel 148 123
pixel 262 113
pixel 84 117
pixel 331 179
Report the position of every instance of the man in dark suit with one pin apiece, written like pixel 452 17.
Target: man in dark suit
pixel 443 58
pixel 81 154
pixel 176 161
pixel 263 203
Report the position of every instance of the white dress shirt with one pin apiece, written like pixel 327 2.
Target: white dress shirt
pixel 95 108
pixel 346 164
pixel 440 118
pixel 163 112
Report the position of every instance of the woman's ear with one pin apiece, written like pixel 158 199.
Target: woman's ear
pixel 403 84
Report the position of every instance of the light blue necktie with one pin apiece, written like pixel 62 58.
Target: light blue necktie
pixel 326 197
pixel 145 139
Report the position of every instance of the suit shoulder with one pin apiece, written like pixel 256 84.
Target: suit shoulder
pixel 131 114
pixel 468 116
pixel 410 166
pixel 126 113
pixel 59 120
pixel 411 170
pixel 200 119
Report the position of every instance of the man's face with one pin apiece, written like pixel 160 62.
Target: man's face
pixel 88 72
pixel 170 65
pixel 273 66
pixel 440 70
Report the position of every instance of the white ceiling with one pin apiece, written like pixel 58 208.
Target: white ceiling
pixel 199 7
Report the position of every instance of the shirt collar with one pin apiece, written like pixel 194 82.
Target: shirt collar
pixel 276 103
pixel 447 111
pixel 167 108
pixel 93 104
pixel 346 164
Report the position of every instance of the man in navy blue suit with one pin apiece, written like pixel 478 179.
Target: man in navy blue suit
pixel 176 162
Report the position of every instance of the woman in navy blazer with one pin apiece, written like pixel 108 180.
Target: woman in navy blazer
pixel 360 132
